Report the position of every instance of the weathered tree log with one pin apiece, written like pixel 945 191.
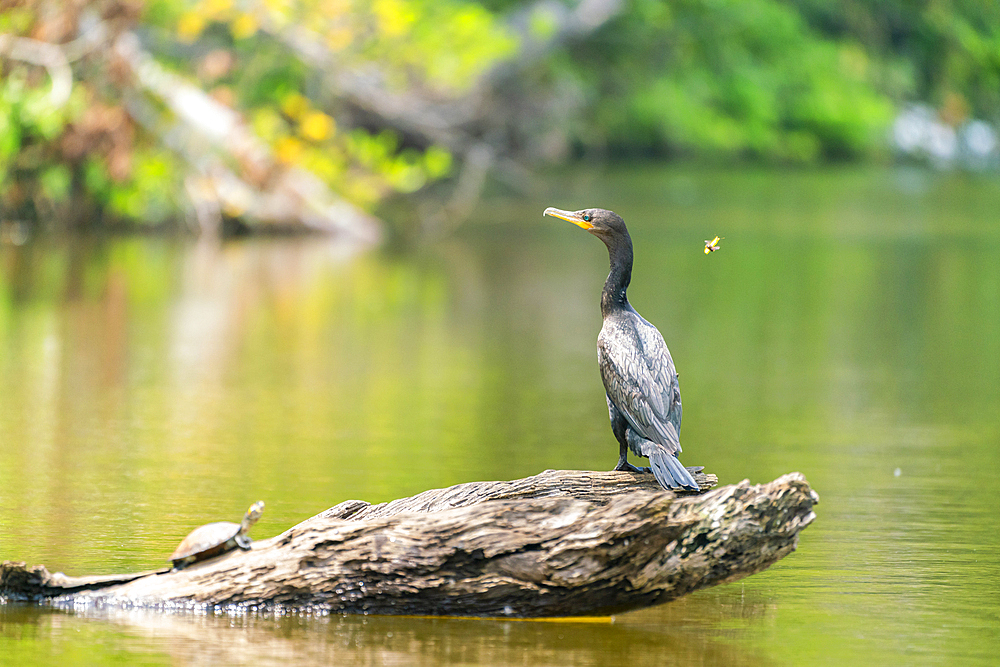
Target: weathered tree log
pixel 561 543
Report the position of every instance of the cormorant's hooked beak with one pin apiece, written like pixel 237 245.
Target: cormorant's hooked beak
pixel 569 216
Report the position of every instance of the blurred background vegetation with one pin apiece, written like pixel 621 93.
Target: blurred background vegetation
pixel 219 115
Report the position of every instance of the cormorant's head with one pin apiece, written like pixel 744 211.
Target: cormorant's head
pixel 605 225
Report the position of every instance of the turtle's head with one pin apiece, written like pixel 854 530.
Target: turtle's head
pixel 253 514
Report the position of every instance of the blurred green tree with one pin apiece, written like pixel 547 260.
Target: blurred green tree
pixel 221 110
pixel 308 113
pixel 783 80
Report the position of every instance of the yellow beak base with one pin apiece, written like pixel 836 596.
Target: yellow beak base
pixel 568 216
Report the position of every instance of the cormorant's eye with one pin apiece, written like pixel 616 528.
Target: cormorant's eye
pixel 586 217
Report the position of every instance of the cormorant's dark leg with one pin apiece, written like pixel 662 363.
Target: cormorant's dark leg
pixel 619 426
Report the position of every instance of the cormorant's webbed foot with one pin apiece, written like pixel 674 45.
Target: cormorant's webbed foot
pixel 628 467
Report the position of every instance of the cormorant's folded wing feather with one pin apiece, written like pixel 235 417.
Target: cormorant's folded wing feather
pixel 661 367
pixel 639 379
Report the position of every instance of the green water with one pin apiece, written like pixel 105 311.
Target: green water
pixel 849 328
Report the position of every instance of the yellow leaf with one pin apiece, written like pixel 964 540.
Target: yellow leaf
pixel 268 124
pixel 339 38
pixel 294 105
pixel 316 126
pixel 333 8
pixel 216 8
pixel 244 26
pixel 279 6
pixel 233 209
pixel 288 149
pixel 190 26
pixel 394 17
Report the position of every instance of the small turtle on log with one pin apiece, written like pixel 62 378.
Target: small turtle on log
pixel 214 539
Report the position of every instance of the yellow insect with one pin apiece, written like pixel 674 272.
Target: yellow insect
pixel 713 245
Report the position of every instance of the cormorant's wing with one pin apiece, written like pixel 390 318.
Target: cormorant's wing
pixel 661 366
pixel 640 379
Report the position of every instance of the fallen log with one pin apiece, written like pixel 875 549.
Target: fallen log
pixel 562 543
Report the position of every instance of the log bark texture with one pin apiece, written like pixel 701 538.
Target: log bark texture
pixel 562 543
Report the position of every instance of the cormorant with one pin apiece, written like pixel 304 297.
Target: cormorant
pixel 644 398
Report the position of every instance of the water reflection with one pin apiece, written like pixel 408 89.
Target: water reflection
pixel 684 638
pixel 849 327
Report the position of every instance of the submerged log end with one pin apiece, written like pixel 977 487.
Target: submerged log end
pixel 20 581
pixel 24 582
pixel 739 530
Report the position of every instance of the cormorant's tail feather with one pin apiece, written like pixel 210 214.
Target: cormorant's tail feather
pixel 667 468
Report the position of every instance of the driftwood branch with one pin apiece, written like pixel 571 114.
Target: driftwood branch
pixel 561 543
pixel 211 136
pixel 50 56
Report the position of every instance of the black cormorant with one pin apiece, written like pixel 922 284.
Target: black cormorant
pixel 644 398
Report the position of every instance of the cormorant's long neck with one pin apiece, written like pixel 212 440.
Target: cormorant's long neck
pixel 613 297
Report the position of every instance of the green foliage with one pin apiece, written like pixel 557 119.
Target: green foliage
pixel 411 44
pixel 947 53
pixel 729 77
pixel 445 44
pixel 792 81
pixel 407 170
pixel 34 169
pixel 55 182
pixel 795 81
pixel 15 20
pixel 149 195
pixel 244 54
pixel 30 121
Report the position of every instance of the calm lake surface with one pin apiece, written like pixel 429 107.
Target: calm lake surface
pixel 849 328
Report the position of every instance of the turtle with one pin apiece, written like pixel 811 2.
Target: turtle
pixel 217 538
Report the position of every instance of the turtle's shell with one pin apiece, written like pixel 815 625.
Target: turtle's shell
pixel 216 538
pixel 209 540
